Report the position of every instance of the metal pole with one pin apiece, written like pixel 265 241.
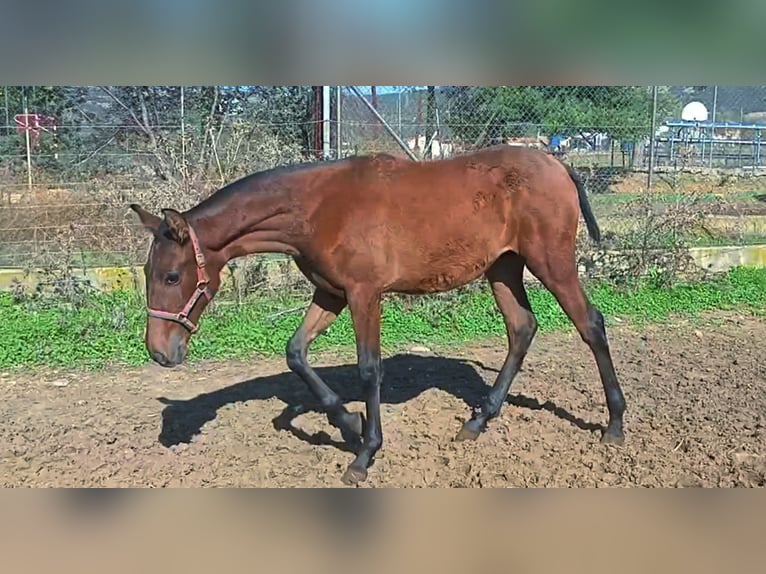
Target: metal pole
pixel 712 129
pixel 183 141
pixel 430 105
pixel 338 139
pixel 326 122
pixel 374 101
pixel 7 129
pixel 316 111
pixel 389 129
pixel 651 139
pixel 26 134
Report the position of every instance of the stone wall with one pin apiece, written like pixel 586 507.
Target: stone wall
pixel 280 274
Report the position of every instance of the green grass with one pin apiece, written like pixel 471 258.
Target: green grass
pixel 724 241
pixel 609 199
pixel 108 329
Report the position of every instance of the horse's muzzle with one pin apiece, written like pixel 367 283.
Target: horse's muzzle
pixel 169 362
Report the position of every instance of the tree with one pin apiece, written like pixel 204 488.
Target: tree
pixel 51 145
pixel 489 113
pixel 481 114
pixel 137 131
pixel 219 123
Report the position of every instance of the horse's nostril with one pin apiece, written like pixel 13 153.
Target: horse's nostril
pixel 159 358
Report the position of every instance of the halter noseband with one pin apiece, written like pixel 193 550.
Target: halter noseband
pixel 202 289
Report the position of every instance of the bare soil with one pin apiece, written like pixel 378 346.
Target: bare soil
pixel 696 394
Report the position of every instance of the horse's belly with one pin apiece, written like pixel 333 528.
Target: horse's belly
pixel 318 280
pixel 438 274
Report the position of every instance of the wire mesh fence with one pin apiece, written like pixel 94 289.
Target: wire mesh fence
pixel 662 163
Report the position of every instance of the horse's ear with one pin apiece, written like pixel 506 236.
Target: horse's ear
pixel 149 220
pixel 177 226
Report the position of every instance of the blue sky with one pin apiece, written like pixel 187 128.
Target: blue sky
pixel 386 89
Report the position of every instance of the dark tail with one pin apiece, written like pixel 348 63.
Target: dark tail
pixel 587 212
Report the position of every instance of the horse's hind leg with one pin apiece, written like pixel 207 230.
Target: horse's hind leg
pixel 558 272
pixel 364 304
pixel 324 309
pixel 506 278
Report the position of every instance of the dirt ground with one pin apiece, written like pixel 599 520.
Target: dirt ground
pixel 696 395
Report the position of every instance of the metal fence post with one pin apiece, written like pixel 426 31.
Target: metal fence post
pixel 712 129
pixel 27 127
pixel 338 138
pixel 384 123
pixel 7 129
pixel 653 129
pixel 183 142
pixel 325 122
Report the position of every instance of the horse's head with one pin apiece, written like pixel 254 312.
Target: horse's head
pixel 178 285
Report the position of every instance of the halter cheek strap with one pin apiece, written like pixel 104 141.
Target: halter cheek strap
pixel 203 289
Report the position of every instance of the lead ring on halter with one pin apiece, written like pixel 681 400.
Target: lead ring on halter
pixel 203 281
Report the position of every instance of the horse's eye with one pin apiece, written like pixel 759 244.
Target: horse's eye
pixel 172 278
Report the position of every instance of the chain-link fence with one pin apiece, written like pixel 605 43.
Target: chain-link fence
pixel 595 126
pixel 673 171
pixel 665 165
pixel 72 159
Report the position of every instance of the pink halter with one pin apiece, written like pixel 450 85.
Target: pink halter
pixel 202 289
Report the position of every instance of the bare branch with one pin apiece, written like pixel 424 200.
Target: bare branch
pixel 99 148
pixel 122 104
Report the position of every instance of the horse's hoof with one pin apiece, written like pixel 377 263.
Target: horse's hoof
pixel 354 475
pixel 616 438
pixel 468 432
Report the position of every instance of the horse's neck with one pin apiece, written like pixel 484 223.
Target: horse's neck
pixel 248 223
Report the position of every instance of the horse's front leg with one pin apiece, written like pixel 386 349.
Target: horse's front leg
pixel 364 305
pixel 322 312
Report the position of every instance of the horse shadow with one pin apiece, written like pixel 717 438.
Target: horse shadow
pixel 405 377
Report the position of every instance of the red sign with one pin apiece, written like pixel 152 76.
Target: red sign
pixel 34 124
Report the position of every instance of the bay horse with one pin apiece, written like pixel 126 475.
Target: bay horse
pixel 365 226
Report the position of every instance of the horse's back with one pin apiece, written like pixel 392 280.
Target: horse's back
pixel 427 226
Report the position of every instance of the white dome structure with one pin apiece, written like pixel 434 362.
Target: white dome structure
pixel 694 112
